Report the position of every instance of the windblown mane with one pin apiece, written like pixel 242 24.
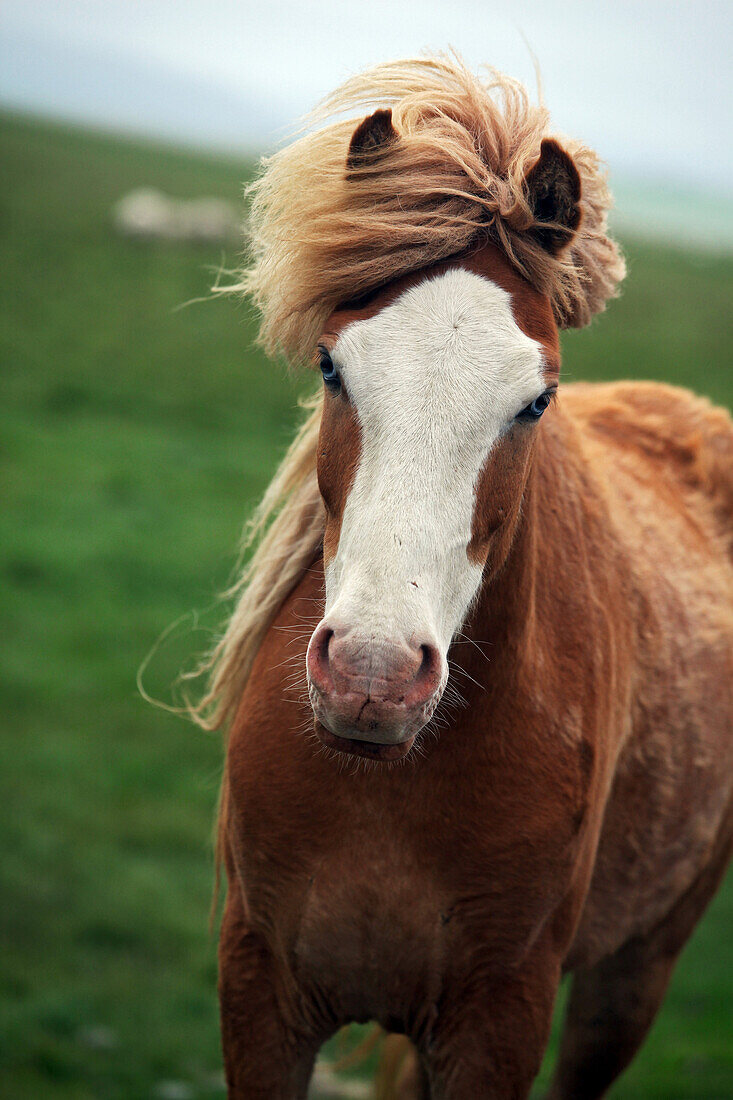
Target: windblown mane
pixel 318 237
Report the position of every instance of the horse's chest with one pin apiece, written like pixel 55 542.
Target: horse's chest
pixel 385 887
pixel 372 936
pixel 377 927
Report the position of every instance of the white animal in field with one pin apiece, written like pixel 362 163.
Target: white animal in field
pixel 150 214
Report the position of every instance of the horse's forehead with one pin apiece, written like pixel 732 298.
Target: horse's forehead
pixel 452 325
pixel 530 310
pixel 449 346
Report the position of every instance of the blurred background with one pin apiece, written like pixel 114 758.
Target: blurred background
pixel 138 426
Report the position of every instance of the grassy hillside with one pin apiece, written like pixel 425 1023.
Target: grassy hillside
pixel 134 437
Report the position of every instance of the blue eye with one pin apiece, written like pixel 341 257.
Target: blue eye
pixel 330 374
pixel 536 409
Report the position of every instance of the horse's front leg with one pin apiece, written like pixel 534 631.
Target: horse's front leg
pixel 491 1034
pixel 266 1057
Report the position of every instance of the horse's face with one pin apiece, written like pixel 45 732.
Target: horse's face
pixel 430 410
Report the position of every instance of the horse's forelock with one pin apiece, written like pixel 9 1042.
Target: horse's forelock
pixel 451 169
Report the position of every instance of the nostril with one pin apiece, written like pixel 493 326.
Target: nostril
pixel 429 673
pixel 317 659
pixel 324 642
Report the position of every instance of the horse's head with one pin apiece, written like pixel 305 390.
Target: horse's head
pixel 434 393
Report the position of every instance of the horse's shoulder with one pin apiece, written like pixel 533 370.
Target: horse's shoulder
pixel 673 432
pixel 648 410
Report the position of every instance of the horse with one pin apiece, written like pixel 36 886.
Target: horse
pixel 477 684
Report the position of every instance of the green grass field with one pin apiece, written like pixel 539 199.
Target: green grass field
pixel 134 438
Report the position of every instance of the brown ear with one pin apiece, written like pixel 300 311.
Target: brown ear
pixel 553 194
pixel 371 138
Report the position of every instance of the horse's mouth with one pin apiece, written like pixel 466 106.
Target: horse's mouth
pixel 371 750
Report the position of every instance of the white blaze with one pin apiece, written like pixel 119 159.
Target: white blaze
pixel 435 378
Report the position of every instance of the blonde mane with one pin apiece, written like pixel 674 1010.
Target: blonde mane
pixel 454 177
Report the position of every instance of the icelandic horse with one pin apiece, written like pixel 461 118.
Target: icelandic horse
pixel 564 553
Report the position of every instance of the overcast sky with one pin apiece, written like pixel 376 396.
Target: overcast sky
pixel 647 83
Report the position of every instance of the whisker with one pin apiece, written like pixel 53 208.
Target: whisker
pixel 458 668
pixel 464 639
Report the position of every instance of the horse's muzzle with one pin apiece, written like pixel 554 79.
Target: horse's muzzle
pixel 371 697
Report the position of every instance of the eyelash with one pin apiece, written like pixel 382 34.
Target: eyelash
pixel 535 409
pixel 331 376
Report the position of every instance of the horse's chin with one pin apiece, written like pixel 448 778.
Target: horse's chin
pixel 377 751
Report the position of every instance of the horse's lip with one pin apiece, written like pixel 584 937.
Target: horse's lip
pixel 371 750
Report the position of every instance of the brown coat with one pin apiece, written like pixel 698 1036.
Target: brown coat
pixel 573 812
